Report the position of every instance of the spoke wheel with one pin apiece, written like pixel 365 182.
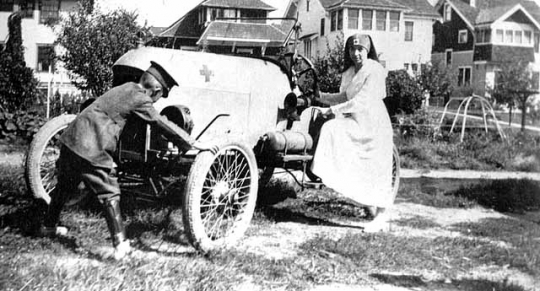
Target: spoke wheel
pixel 395 171
pixel 40 165
pixel 220 196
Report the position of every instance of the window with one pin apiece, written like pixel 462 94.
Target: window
pixel 464 76
pixel 322 26
pixel 215 13
pixel 340 19
pixel 45 58
pixel 447 12
pixel 307 48
pixel 380 19
pixel 409 26
pixel 483 36
pixel 406 66
pixel 448 57
pixel 307 5
pixel 537 42
pixel 527 37
pixel 367 19
pixel 229 13
pixel 414 67
pixel 49 10
pixel 518 37
pixel 27 8
pixel 6 5
pixel 536 80
pixel 509 36
pixel 499 36
pixel 333 18
pixel 353 18
pixel 394 21
pixel 462 37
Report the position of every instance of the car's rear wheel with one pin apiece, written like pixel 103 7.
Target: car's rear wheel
pixel 220 196
pixel 44 150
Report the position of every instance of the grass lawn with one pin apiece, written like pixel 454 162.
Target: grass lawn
pixel 306 240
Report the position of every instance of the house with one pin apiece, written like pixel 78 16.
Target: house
pixel 475 36
pixel 401 29
pixel 226 26
pixel 38 38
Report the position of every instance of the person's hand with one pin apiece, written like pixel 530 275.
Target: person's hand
pixel 202 146
pixel 325 112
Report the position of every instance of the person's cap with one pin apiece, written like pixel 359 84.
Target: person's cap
pixel 162 76
pixel 360 40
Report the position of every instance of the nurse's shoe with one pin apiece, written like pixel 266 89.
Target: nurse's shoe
pixel 379 224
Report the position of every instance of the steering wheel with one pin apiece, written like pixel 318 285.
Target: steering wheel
pixel 306 79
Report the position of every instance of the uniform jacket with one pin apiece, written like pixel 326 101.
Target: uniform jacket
pixel 95 133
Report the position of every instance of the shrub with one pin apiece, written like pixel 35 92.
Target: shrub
pixel 329 66
pixel 422 124
pixel 437 80
pixel 21 123
pixel 17 83
pixel 403 93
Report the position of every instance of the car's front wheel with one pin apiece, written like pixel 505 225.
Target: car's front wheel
pixel 220 196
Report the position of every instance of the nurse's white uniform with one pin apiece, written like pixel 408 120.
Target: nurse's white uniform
pixel 354 154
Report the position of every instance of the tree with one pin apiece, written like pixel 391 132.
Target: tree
pixel 436 79
pixel 92 41
pixel 514 85
pixel 330 66
pixel 18 86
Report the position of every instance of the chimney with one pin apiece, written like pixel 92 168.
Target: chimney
pixel 472 3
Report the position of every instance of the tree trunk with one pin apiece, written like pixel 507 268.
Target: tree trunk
pixel 523 111
pixel 510 116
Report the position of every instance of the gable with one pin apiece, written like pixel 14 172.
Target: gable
pixel 489 11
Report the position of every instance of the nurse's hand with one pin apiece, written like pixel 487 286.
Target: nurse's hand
pixel 325 112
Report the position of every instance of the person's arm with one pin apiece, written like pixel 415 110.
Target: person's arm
pixel 333 98
pixel 372 89
pixel 148 113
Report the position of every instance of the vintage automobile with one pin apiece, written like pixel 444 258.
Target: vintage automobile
pixel 246 105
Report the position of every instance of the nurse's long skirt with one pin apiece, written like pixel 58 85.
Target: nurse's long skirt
pixel 354 157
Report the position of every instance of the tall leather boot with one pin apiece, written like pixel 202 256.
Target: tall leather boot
pixel 50 226
pixel 114 221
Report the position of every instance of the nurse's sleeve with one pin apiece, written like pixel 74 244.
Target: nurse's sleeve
pixel 373 88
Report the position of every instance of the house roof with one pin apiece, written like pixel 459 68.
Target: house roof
pixel 420 8
pixel 488 11
pixel 414 7
pixel 224 31
pixel 244 4
pixel 157 30
pixel 490 15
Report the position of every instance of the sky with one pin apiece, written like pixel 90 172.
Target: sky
pixel 163 13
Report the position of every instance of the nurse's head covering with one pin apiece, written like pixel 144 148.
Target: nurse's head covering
pixel 362 40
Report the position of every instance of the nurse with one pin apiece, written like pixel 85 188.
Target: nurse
pixel 354 152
